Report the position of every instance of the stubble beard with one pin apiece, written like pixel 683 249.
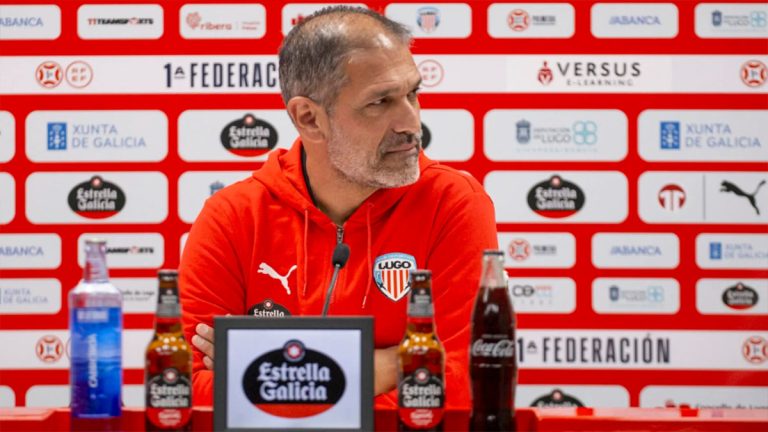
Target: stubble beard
pixel 380 170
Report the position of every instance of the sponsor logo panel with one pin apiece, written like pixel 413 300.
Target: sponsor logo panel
pixel 233 135
pixel 258 74
pixel 634 20
pixel 642 350
pixel 139 294
pixel 105 197
pixel 704 397
pixel 732 251
pixel 549 135
pixel 531 20
pixel 543 295
pixel 558 197
pixel 49 349
pixel 7 198
pixel 120 21
pixel 196 186
pixel 732 296
pixel 7 136
pixel 7 397
pixel 448 135
pixel 538 250
pixel 222 21
pixel 30 22
pixel 635 250
pixel 703 197
pixel 436 20
pixel 30 251
pixel 134 250
pixel 293 13
pixel 54 396
pixel 97 136
pixel 253 74
pixel 703 135
pixel 30 296
pixel 635 296
pixel 297 347
pixel 742 196
pixel 731 20
pixel 569 396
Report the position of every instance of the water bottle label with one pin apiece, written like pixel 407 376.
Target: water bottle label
pixel 96 372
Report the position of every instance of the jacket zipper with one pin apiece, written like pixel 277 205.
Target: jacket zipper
pixel 339 234
pixel 339 240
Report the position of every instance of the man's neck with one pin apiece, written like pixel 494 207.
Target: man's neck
pixel 333 194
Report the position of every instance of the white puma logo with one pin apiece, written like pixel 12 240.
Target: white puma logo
pixel 265 268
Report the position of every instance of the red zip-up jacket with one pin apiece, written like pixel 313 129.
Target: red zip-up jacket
pixel 263 240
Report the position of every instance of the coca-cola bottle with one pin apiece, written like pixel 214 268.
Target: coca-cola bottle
pixel 492 361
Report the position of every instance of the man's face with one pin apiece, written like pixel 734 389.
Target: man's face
pixel 375 135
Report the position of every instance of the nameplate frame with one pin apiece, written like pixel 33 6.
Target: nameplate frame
pixel 265 367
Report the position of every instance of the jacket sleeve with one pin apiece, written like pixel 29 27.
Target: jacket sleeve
pixel 211 283
pixel 465 229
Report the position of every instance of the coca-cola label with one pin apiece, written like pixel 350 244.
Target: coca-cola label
pixel 740 297
pixel 169 399
pixel 96 199
pixel 421 398
pixel 557 399
pixel 556 198
pixel 268 309
pixel 504 348
pixel 249 136
pixel 294 381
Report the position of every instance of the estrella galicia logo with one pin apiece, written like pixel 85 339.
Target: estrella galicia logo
pixel 523 131
pixel 426 136
pixel 557 399
pixel 294 381
pixel 57 136
pixel 268 308
pixel 96 199
pixel 740 297
pixel 391 271
pixel 249 136
pixel 715 250
pixel 670 135
pixel 556 198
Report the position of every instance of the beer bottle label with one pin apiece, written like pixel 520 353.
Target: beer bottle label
pixel 169 399
pixel 421 398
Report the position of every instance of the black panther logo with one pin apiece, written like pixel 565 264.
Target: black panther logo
pixel 727 186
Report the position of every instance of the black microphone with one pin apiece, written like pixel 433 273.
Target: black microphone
pixel 339 260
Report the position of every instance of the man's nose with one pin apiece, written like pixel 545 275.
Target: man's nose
pixel 407 117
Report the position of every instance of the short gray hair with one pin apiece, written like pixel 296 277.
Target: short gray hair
pixel 313 54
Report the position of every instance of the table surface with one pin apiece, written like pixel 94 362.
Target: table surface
pixel 528 419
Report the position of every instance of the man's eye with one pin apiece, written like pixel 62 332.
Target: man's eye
pixel 414 93
pixel 378 102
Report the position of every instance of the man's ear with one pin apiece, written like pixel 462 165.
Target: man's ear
pixel 310 119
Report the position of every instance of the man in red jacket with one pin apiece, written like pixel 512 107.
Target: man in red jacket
pixel 356 175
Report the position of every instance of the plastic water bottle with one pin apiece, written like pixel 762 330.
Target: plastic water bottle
pixel 96 324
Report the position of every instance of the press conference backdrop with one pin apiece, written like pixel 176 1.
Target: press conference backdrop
pixel 624 145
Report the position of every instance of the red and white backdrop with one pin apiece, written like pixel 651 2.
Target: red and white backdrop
pixel 624 145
